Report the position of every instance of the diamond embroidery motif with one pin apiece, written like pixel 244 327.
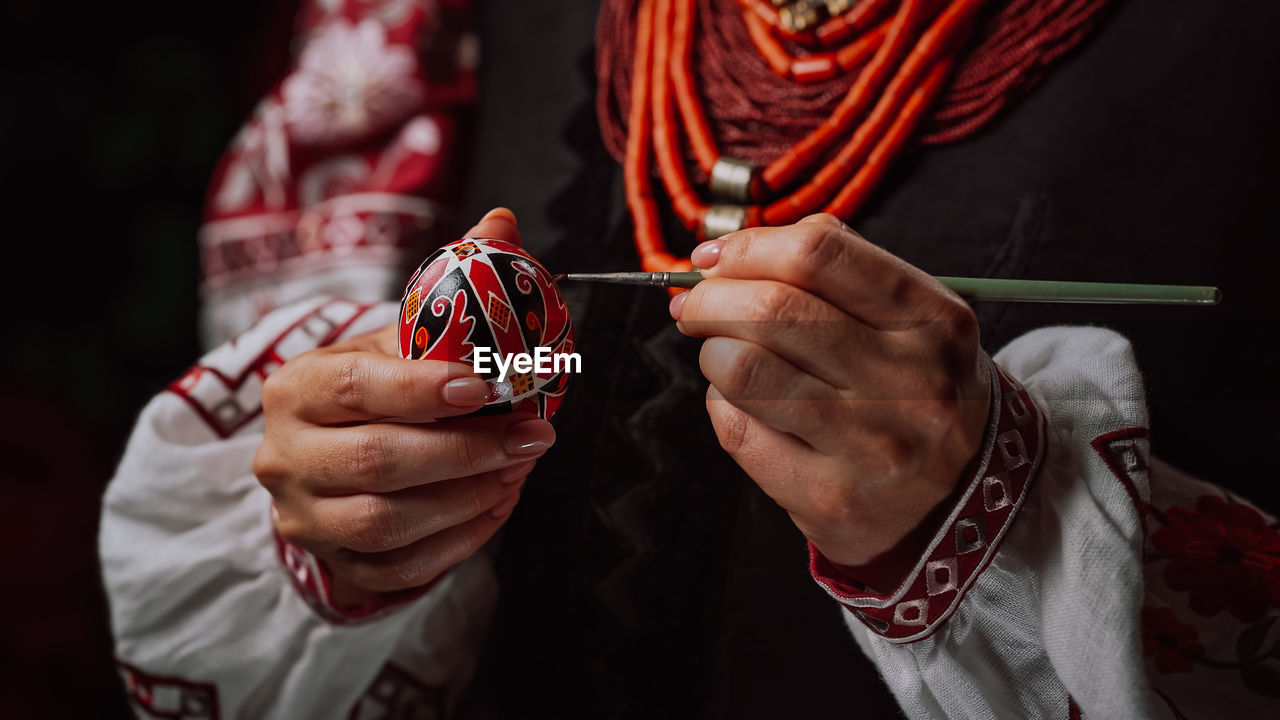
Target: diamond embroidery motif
pixel 1013 449
pixel 499 312
pixel 970 535
pixel 876 623
pixel 940 576
pixel 994 492
pixel 913 613
pixel 1018 409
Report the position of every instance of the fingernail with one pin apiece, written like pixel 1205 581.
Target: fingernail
pixel 528 437
pixel 466 392
pixel 501 212
pixel 677 305
pixel 517 472
pixel 706 254
pixel 505 507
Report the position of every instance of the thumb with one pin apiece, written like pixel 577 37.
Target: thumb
pixel 497 224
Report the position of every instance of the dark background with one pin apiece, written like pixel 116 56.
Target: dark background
pixel 113 117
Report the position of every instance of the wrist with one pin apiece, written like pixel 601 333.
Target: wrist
pixel 884 570
pixel 888 537
pixel 335 600
pixel 912 605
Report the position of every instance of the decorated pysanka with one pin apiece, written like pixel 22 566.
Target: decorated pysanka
pixel 488 299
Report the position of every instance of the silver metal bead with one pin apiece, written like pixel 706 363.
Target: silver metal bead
pixel 722 220
pixel 731 180
pixel 800 15
pixel 840 7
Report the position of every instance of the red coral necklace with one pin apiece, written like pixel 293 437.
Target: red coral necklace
pixel 801 109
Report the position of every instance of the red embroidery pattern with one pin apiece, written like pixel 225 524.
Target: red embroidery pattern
pixel 1125 453
pixel 397 694
pixel 966 544
pixel 375 229
pixel 168 697
pixel 314 583
pixel 1224 555
pixel 1213 607
pixel 342 161
pixel 1172 643
pixel 225 387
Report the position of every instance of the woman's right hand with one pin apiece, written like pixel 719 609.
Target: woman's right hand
pixel 386 502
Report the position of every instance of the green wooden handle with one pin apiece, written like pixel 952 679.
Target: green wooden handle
pixel 995 289
pixel 984 289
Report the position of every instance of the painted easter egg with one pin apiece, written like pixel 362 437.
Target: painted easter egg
pixel 489 304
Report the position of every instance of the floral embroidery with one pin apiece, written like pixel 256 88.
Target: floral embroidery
pixel 259 165
pixel 1173 643
pixel 350 83
pixel 1225 555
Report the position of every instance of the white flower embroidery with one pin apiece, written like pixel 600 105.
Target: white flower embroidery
pixel 350 83
pixel 259 164
pixel 390 12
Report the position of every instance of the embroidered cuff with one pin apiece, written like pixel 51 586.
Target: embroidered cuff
pixel 1012 450
pixel 311 578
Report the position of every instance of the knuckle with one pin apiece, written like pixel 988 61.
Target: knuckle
pixel 294 528
pixel 473 500
pixel 731 429
pixel 960 321
pixel 745 372
pixel 409 574
pixel 368 458
pixel 737 246
pixel 937 410
pixel 404 383
pixel 777 302
pixel 375 526
pixel 693 302
pixel 385 575
pixel 817 248
pixel 276 389
pixel 899 288
pixel 268 466
pixel 461 450
pixel 348 386
pixel 895 456
pixel 825 218
pixel 467 541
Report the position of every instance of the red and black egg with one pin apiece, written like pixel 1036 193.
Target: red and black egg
pixel 479 292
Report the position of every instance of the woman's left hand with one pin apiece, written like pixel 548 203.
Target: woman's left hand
pixel 847 383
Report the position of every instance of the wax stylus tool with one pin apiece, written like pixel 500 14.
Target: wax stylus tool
pixel 979 289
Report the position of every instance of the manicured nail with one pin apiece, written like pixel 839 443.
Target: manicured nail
pixel 706 254
pixel 466 392
pixel 505 507
pixel 516 472
pixel 500 212
pixel 677 304
pixel 528 437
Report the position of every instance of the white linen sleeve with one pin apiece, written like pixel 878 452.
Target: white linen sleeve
pixel 1030 601
pixel 215 617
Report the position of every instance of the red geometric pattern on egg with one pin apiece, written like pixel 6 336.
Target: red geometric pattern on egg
pixel 468 295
